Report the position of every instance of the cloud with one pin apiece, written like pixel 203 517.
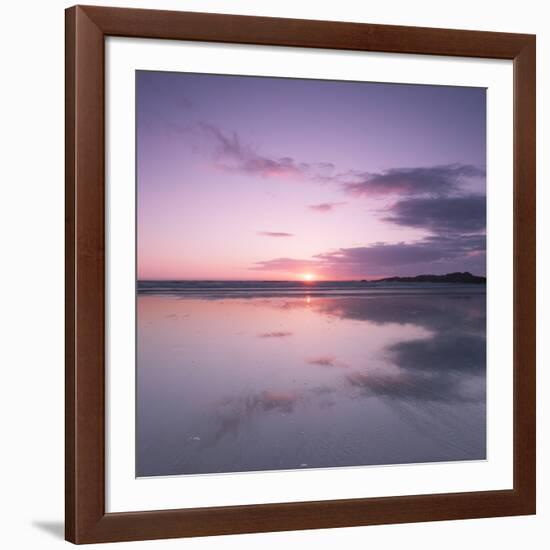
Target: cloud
pixel 275 234
pixel 435 195
pixel 465 214
pixel 382 255
pixel 433 254
pixel 325 206
pixel 431 180
pixel 432 198
pixel 429 249
pixel 326 361
pixel 233 156
pixel 275 334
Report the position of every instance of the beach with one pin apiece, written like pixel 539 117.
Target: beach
pixel 253 376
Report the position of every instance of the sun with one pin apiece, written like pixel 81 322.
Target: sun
pixel 308 277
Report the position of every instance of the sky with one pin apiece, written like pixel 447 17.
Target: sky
pixel 255 178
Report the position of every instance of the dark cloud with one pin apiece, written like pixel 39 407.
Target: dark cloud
pixel 430 180
pixel 465 214
pixel 359 259
pixel 384 256
pixel 275 234
pixel 433 254
pixel 325 206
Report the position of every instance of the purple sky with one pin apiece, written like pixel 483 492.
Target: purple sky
pixel 270 178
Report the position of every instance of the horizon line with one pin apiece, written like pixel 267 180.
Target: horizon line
pixel 355 279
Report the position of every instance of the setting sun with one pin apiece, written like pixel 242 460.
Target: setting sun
pixel 308 277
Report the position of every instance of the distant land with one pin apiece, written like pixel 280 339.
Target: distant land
pixel 457 277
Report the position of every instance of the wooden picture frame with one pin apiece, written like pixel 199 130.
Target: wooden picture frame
pixel 86 30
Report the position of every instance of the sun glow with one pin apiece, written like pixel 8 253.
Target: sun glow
pixel 308 277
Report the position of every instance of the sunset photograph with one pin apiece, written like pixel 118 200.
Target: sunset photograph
pixel 310 275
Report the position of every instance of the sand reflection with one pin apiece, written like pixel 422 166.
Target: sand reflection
pixel 228 385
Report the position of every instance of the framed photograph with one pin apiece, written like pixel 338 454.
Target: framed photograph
pixel 300 274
